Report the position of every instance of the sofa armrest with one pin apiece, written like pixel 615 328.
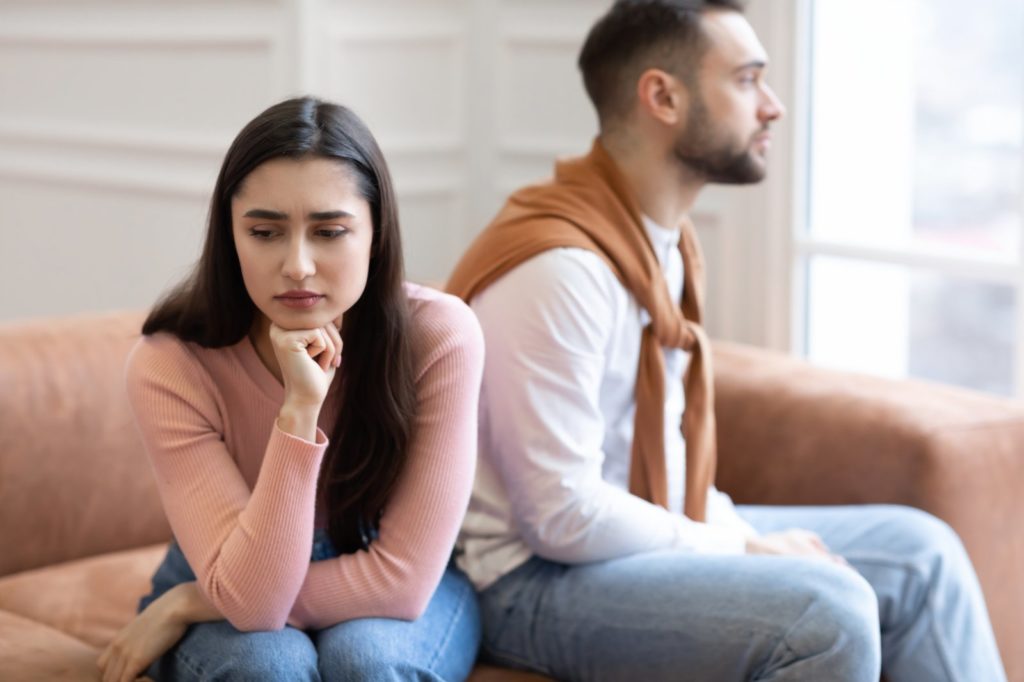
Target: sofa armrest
pixel 791 433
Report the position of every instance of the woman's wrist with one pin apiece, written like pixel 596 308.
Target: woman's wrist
pixel 299 421
pixel 190 606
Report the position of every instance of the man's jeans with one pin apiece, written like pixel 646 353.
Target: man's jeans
pixel 674 615
pixel 440 645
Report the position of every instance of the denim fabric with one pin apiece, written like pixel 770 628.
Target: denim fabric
pixel 912 607
pixel 440 645
pixel 323 548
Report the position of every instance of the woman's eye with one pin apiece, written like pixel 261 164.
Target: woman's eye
pixel 331 233
pixel 261 234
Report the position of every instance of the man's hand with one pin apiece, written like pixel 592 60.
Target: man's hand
pixel 794 542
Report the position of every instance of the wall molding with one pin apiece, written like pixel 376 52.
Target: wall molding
pixel 384 33
pixel 142 36
pixel 115 138
pixel 108 180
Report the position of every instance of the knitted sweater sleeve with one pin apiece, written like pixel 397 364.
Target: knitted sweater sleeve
pixel 248 548
pixel 397 575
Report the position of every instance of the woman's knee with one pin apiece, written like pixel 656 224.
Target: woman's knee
pixel 386 649
pixel 369 649
pixel 217 651
pixel 440 644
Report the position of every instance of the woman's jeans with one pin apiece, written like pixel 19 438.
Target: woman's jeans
pixel 440 645
pixel 908 604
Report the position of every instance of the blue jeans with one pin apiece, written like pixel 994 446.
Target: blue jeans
pixel 912 608
pixel 440 645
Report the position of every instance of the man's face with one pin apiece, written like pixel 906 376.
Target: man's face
pixel 725 138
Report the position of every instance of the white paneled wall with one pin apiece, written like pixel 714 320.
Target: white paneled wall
pixel 114 117
pixel 404 67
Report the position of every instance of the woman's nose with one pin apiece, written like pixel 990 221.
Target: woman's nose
pixel 299 263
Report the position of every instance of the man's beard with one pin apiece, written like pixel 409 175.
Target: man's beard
pixel 701 149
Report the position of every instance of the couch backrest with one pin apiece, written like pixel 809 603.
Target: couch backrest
pixel 74 478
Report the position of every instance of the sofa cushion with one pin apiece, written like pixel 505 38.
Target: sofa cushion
pixel 32 652
pixel 489 673
pixel 74 477
pixel 89 599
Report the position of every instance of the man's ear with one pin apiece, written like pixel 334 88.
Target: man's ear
pixel 662 96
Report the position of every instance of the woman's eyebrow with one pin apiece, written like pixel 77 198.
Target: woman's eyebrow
pixel 266 214
pixel 329 215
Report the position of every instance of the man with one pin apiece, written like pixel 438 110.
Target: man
pixel 588 289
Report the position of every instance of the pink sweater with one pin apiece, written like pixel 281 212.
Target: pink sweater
pixel 240 494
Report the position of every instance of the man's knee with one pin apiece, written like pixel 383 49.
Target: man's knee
pixel 839 625
pixel 935 564
pixel 929 537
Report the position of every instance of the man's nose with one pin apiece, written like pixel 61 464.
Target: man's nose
pixel 771 107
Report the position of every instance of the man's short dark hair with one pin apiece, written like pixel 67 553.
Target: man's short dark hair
pixel 635 35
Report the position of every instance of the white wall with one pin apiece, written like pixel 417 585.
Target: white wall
pixel 114 117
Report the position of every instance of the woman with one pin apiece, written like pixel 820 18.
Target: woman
pixel 298 555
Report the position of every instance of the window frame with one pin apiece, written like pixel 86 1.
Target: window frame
pixel 787 33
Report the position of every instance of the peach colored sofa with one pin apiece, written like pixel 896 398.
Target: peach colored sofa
pixel 82 529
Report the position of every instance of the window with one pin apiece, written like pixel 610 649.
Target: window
pixel 911 260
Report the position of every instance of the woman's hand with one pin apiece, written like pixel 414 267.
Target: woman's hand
pixel 794 542
pixel 153 632
pixel 308 359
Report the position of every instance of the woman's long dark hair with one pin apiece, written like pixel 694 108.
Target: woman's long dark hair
pixel 212 308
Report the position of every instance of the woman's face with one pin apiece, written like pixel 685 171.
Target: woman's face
pixel 303 233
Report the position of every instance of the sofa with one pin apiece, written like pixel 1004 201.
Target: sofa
pixel 82 528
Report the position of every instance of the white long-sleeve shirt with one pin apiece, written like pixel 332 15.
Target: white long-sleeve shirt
pixel 562 339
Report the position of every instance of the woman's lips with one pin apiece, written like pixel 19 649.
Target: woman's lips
pixel 304 300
